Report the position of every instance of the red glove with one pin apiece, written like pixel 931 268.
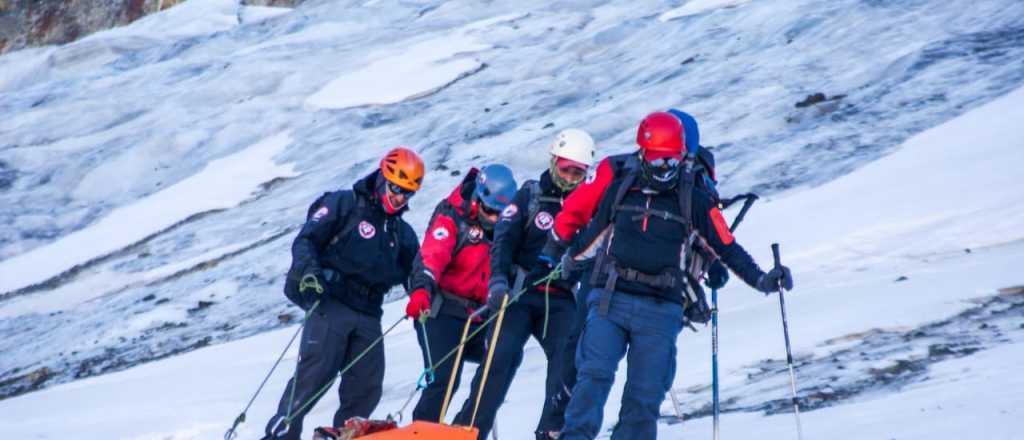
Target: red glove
pixel 419 301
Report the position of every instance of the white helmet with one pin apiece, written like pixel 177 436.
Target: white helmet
pixel 574 144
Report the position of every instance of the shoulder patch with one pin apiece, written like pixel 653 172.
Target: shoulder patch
pixel 440 233
pixel 320 214
pixel 544 221
pixel 366 230
pixel 721 227
pixel 510 211
pixel 476 234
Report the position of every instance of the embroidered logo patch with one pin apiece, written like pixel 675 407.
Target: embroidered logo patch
pixel 320 214
pixel 440 233
pixel 544 221
pixel 475 234
pixel 509 211
pixel 366 230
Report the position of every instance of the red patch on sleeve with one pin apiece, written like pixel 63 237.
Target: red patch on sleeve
pixel 721 227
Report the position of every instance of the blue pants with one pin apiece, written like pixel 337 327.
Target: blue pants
pixel 644 330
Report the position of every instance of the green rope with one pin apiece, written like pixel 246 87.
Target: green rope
pixel 323 390
pixel 555 273
pixel 428 375
pixel 547 306
pixel 230 434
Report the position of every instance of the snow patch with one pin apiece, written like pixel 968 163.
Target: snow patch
pixel 223 183
pixel 695 7
pixel 412 72
pixel 104 282
pixel 947 189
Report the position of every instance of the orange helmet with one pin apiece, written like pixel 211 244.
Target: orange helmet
pixel 403 167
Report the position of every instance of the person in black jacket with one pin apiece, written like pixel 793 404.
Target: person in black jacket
pixel 544 311
pixel 353 249
pixel 638 217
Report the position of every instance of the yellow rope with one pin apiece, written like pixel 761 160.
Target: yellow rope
pixel 455 370
pixel 490 357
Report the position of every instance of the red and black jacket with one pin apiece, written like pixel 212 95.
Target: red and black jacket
pixel 649 244
pixel 454 258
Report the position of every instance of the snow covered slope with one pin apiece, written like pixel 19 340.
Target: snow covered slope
pixel 196 395
pixel 264 109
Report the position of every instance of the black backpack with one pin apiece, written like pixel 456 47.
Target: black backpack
pixel 698 170
pixel 346 208
pixel 536 198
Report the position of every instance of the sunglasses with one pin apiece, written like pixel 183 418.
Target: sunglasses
pixel 664 162
pixel 395 189
pixel 574 172
pixel 488 211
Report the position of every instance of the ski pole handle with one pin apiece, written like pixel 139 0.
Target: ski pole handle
pixel 775 255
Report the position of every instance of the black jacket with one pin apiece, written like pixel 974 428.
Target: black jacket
pixel 373 256
pixel 654 244
pixel 520 235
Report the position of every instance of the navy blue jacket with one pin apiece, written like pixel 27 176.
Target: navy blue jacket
pixel 374 256
pixel 519 238
pixel 655 244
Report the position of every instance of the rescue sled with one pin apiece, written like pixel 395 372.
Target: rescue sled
pixel 387 430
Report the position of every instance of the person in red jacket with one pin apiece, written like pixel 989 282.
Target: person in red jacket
pixel 637 217
pixel 450 275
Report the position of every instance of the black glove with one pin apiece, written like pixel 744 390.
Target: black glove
pixel 497 291
pixel 779 276
pixel 312 282
pixel 717 275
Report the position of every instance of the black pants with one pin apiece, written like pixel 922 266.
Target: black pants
pixel 333 336
pixel 443 333
pixel 523 319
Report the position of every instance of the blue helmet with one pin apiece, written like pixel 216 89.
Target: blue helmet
pixel 495 187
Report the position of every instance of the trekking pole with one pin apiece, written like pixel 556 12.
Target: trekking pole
pixel 716 408
pixel 789 350
pixel 231 434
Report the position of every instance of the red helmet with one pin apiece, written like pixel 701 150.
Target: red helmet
pixel 660 135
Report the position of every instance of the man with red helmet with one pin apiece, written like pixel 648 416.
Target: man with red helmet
pixel 450 275
pixel 353 248
pixel 637 217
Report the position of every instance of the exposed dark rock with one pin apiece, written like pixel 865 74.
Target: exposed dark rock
pixel 202 305
pixel 7 173
pixel 901 279
pixel 811 100
pixel 27 23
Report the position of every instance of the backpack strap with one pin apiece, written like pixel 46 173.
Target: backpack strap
pixel 352 216
pixel 536 197
pixel 461 225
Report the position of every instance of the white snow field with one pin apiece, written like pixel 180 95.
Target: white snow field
pixel 197 395
pixel 152 177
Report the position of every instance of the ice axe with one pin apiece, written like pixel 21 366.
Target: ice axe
pixel 789 350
